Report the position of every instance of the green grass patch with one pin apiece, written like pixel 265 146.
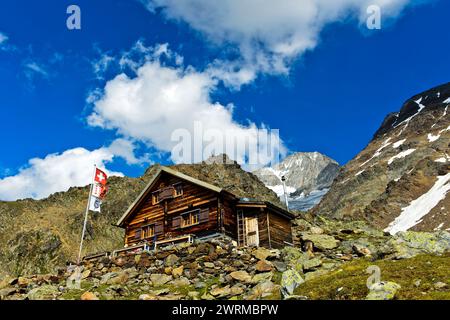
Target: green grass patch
pixel 349 281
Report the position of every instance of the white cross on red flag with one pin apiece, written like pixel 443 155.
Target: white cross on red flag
pixel 98 190
pixel 100 177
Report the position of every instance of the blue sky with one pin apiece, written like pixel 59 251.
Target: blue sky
pixel 330 97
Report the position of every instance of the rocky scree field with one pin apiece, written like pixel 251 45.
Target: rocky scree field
pixel 413 265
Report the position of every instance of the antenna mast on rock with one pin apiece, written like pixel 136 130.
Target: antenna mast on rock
pixel 283 179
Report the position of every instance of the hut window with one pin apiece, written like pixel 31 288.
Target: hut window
pixel 194 217
pixel 148 231
pixel 190 218
pixel 178 189
pixel 155 197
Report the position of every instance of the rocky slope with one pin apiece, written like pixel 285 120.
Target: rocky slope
pixel 308 175
pixel 400 181
pixel 334 267
pixel 329 260
pixel 38 235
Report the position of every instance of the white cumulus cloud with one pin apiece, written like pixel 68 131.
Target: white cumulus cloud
pixel 60 171
pixel 156 102
pixel 270 34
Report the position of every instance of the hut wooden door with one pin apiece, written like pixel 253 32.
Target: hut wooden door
pixel 251 231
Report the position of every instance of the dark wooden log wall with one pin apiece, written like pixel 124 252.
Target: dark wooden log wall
pixel 280 230
pixel 263 229
pixel 229 217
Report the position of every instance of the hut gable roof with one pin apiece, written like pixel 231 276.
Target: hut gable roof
pixel 152 183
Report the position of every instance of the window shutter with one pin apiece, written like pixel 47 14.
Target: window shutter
pixel 204 215
pixel 176 222
pixel 159 228
pixel 137 234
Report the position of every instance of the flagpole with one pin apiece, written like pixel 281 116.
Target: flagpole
pixel 86 217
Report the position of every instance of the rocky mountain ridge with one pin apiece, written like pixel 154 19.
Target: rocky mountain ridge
pixel 400 181
pixel 308 176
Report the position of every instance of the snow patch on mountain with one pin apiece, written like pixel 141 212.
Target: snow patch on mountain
pixel 378 152
pixel 359 172
pixel 412 214
pixel 401 155
pixel 432 138
pixel 398 143
pixel 406 121
pixel 444 159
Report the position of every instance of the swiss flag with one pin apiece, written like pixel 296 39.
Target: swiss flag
pixel 100 177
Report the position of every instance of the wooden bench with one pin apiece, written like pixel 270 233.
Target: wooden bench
pixel 145 247
pixel 186 238
pixel 96 255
